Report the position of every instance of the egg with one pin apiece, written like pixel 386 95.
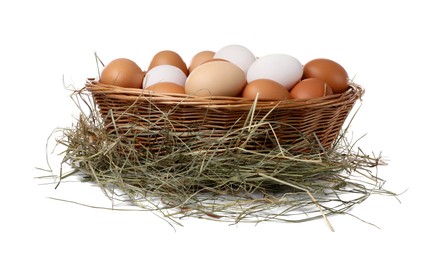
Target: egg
pixel 164 73
pixel 166 87
pixel 199 58
pixel 213 59
pixel 310 88
pixel 282 68
pixel 266 89
pixel 122 72
pixel 216 78
pixel 168 57
pixel 236 54
pixel 330 72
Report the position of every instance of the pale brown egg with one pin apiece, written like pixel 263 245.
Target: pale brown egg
pixel 265 89
pixel 329 71
pixel 310 88
pixel 216 78
pixel 199 58
pixel 166 87
pixel 168 57
pixel 213 59
pixel 122 72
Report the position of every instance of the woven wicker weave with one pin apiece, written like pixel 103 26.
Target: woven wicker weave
pixel 158 121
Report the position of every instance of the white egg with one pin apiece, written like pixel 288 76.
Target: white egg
pixel 282 68
pixel 164 73
pixel 236 54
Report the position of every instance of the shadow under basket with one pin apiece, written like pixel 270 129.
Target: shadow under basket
pixel 161 122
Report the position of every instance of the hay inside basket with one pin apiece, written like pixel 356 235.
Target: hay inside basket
pixel 224 177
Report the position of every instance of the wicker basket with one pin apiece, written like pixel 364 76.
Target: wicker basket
pixel 159 121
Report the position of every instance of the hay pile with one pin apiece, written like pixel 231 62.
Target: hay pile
pixel 209 180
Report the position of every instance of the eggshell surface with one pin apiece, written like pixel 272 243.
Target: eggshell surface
pixel 166 87
pixel 282 68
pixel 214 59
pixel 164 73
pixel 265 89
pixel 216 78
pixel 310 88
pixel 168 57
pixel 200 58
pixel 122 72
pixel 330 72
pixel 239 55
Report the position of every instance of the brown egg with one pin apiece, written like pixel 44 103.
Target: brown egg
pixel 213 59
pixel 166 87
pixel 216 78
pixel 167 57
pixel 310 88
pixel 122 72
pixel 329 71
pixel 267 89
pixel 199 58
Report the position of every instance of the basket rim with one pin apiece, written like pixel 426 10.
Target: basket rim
pixel 354 92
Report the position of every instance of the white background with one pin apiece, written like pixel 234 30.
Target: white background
pixel 390 47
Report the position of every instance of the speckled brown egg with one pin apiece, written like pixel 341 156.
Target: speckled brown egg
pixel 199 58
pixel 328 71
pixel 310 88
pixel 122 72
pixel 168 57
pixel 265 89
